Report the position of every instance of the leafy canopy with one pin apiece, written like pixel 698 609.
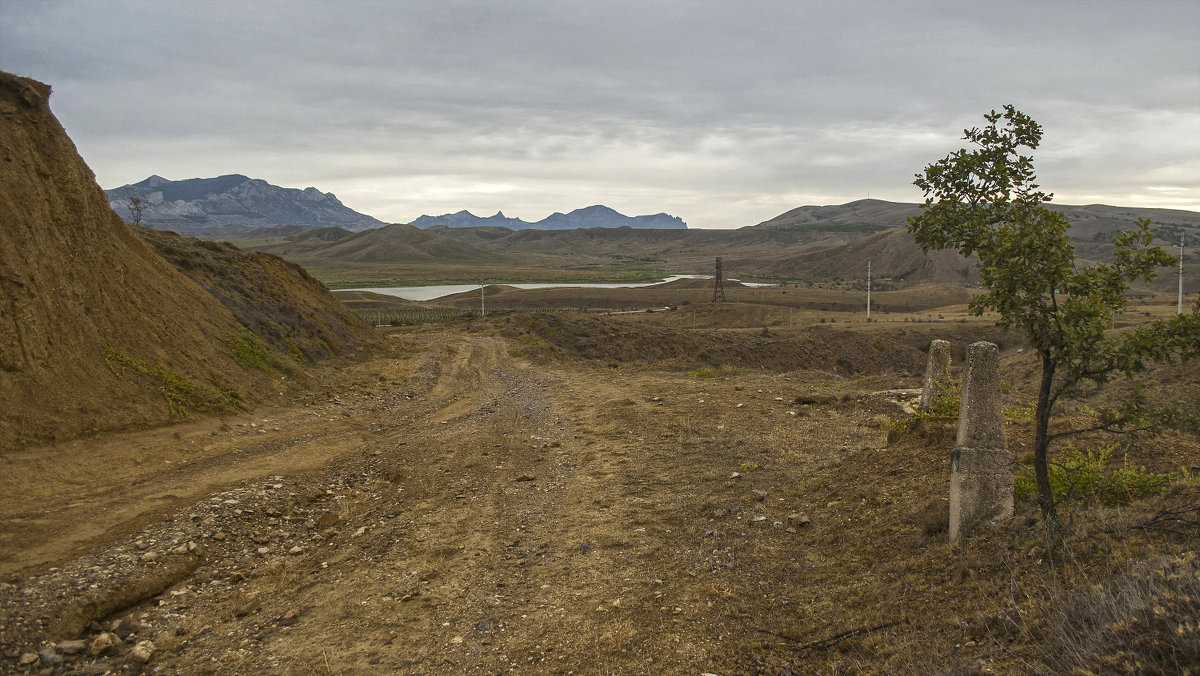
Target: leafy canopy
pixel 985 201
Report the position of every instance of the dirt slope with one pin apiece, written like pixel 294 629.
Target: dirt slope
pixel 277 300
pixel 98 331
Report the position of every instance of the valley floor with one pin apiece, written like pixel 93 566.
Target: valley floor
pixel 455 509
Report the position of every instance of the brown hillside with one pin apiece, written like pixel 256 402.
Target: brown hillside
pixel 403 243
pixel 748 250
pixel 861 215
pixel 330 234
pixel 277 300
pixel 893 254
pixel 97 330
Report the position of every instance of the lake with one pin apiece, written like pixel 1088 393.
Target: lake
pixel 437 291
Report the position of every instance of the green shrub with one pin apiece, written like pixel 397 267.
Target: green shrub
pixel 1020 414
pixel 947 404
pixel 1087 475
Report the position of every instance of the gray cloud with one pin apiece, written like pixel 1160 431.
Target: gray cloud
pixel 722 113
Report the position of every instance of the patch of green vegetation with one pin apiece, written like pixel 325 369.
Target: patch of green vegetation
pixel 182 394
pixel 1088 474
pixel 321 342
pixel 296 354
pixel 1020 414
pixel 945 406
pixel 249 351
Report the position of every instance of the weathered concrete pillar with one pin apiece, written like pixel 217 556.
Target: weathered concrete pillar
pixel 981 478
pixel 937 374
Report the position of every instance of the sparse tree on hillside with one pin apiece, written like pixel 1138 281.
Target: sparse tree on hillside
pixel 137 205
pixel 984 201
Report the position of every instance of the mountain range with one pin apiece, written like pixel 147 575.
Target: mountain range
pixel 598 216
pixel 233 204
pixel 239 206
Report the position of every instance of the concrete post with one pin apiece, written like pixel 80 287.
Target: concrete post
pixel 981 478
pixel 937 374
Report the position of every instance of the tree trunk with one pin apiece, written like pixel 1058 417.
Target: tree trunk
pixel 1041 443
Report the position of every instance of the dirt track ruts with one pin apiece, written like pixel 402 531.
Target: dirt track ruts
pixel 90 490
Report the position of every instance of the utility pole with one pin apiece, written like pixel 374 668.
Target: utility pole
pixel 1179 309
pixel 482 300
pixel 719 284
pixel 868 291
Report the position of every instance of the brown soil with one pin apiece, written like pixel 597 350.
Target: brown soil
pixel 479 501
pixel 99 332
pixel 276 300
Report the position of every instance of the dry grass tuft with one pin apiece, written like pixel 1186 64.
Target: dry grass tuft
pixel 1143 621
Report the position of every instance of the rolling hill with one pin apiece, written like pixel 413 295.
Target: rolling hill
pixel 861 216
pixel 895 259
pixel 397 243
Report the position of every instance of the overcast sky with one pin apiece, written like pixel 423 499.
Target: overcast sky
pixel 722 113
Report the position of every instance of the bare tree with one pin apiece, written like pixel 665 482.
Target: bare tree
pixel 137 204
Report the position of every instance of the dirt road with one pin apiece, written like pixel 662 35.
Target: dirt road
pixel 455 509
pixel 489 515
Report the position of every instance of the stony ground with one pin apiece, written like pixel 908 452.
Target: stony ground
pixel 455 508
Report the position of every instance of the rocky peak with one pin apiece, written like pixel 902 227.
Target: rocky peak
pixel 210 206
pixel 595 216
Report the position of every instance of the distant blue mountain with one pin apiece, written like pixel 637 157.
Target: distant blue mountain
pixel 598 216
pixel 234 203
